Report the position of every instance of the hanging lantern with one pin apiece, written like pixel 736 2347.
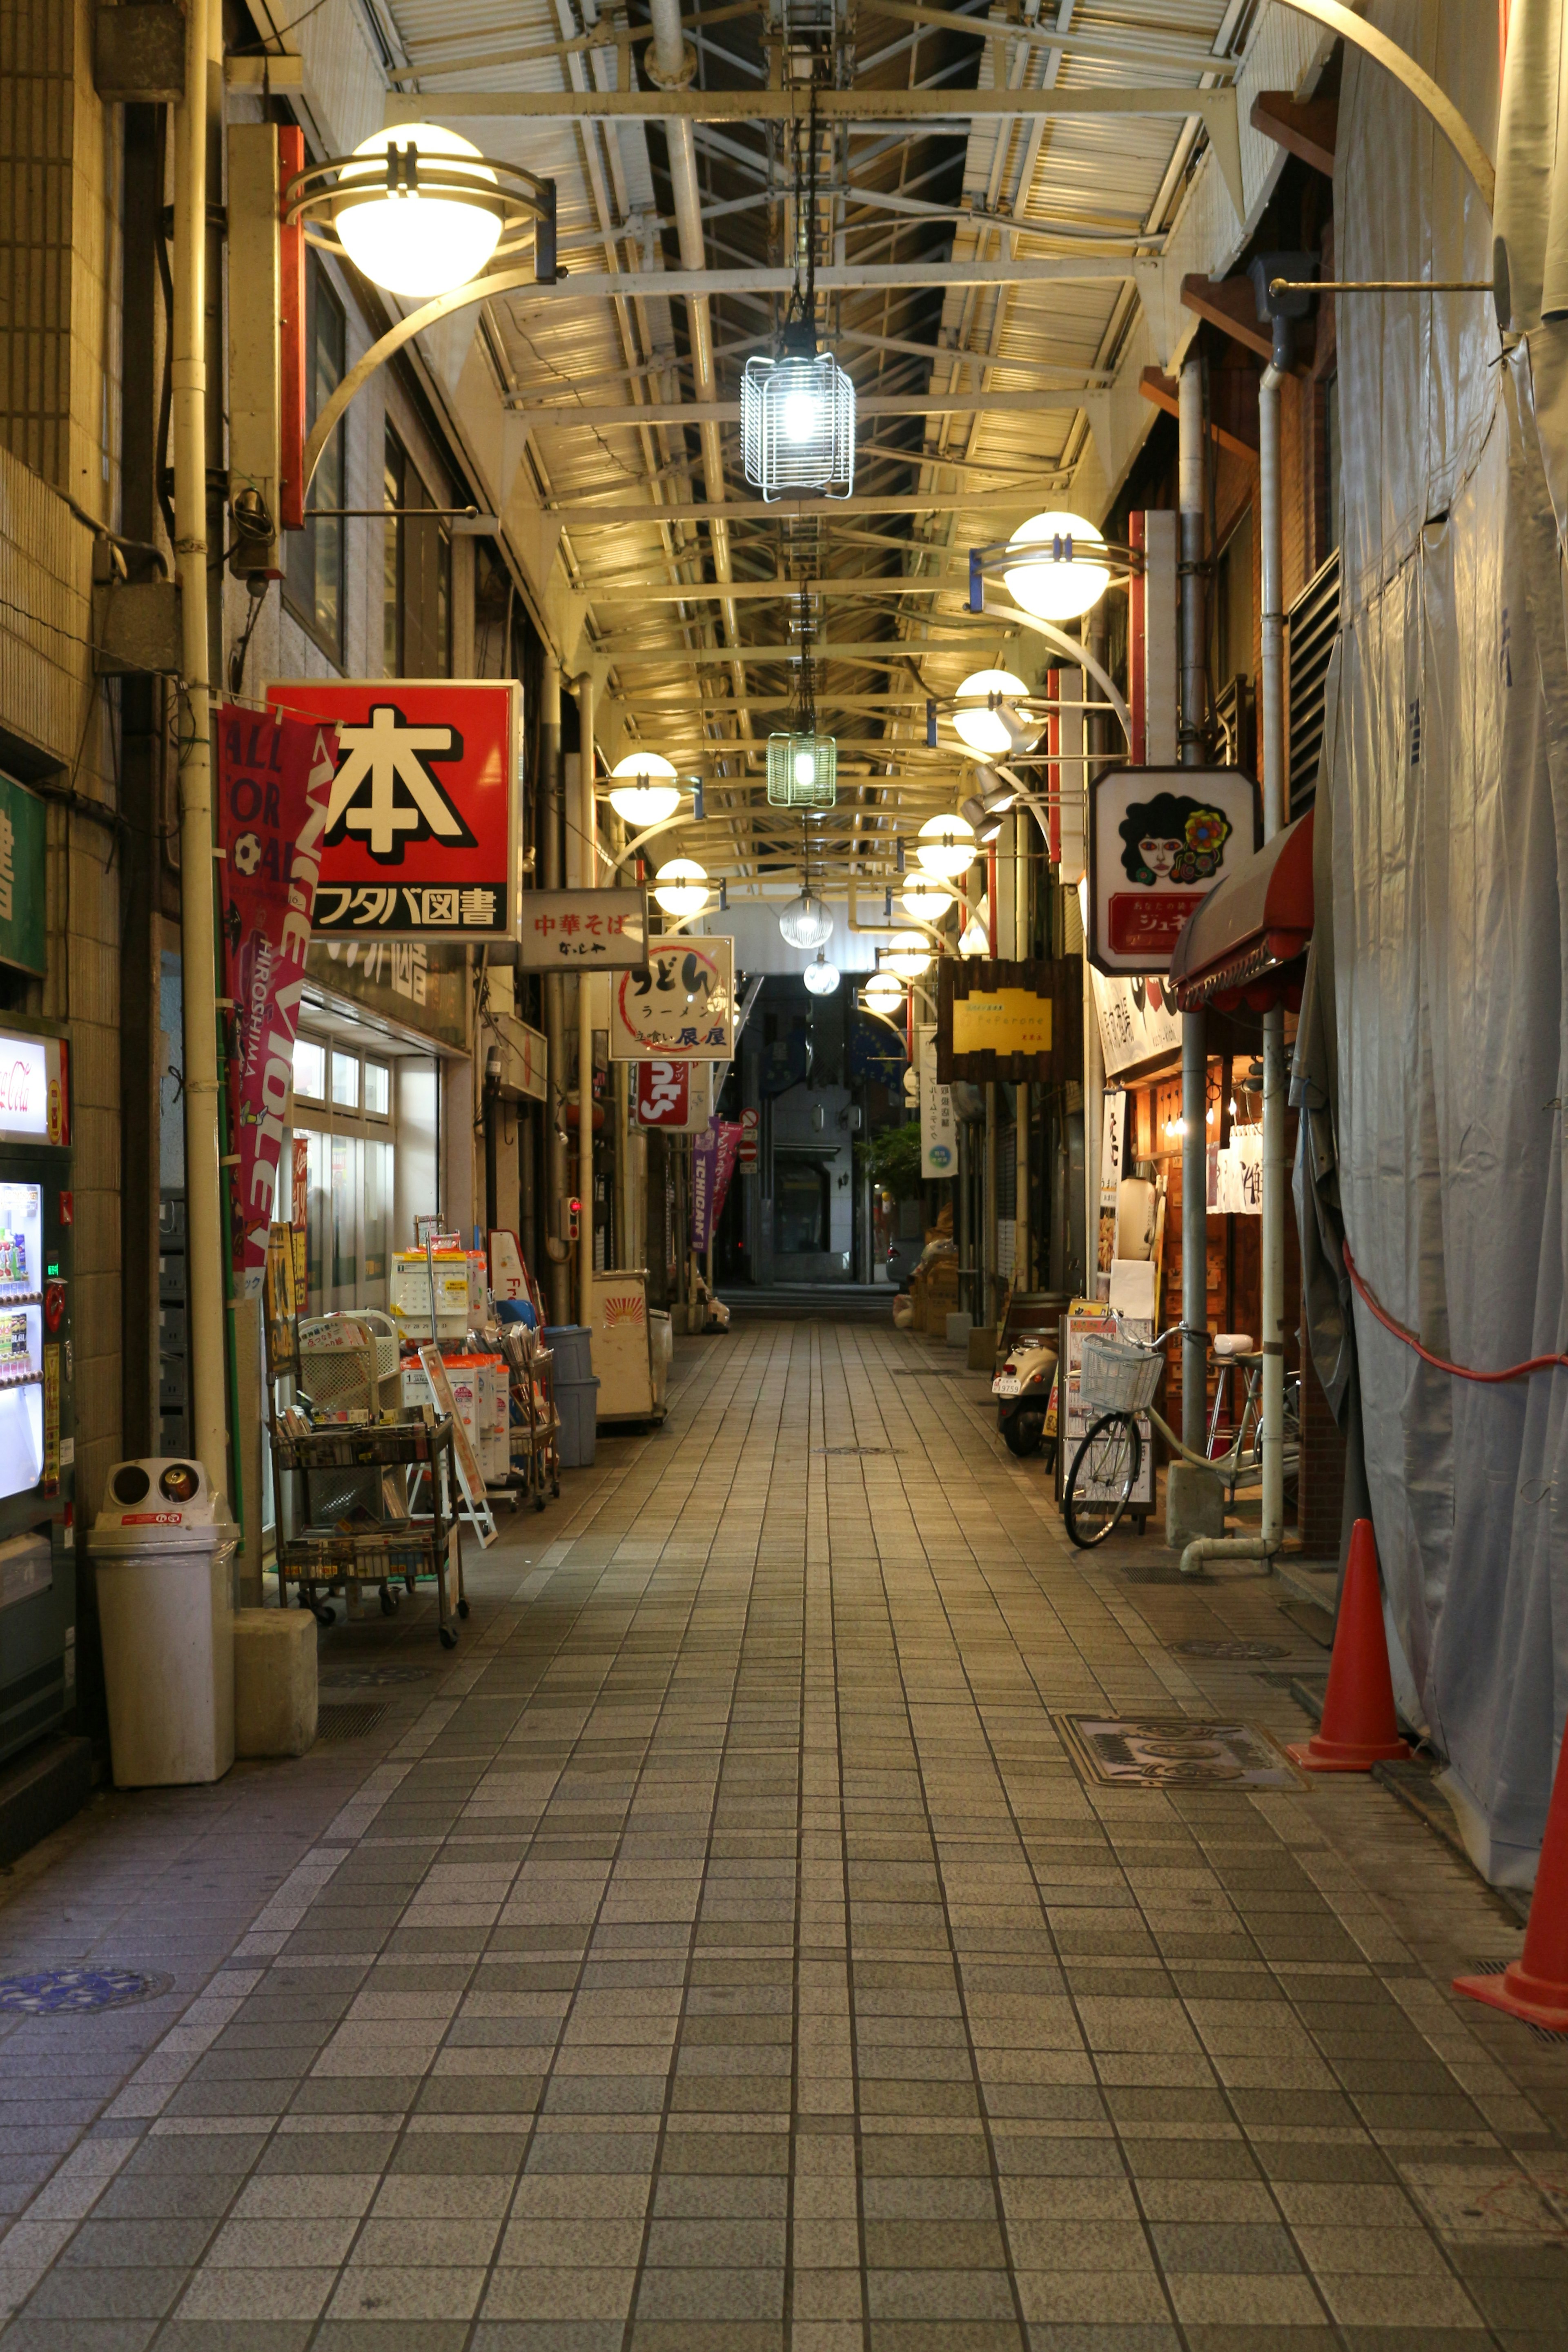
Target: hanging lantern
pixel 821 977
pixel 643 790
pixel 805 922
pixel 802 771
pixel 797 421
pixel 1047 571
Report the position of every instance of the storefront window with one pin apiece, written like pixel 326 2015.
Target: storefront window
pixel 377 1090
pixel 345 1081
pixel 310 1070
pixel 378 1179
pixel 345 1152
pixel 369 1129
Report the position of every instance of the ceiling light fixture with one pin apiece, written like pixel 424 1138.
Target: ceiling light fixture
pixel 983 728
pixel 821 977
pixel 1056 566
pixel 643 789
pixel 797 409
pixel 802 766
pixel 680 886
pixel 945 847
pixel 805 922
pixel 908 954
pixel 420 211
pixel 927 900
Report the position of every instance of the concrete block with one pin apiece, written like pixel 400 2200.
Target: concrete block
pixel 274 1682
pixel 959 1326
pixel 1195 1504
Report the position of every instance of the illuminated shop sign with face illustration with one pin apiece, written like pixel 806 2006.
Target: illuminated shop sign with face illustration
pixel 1160 840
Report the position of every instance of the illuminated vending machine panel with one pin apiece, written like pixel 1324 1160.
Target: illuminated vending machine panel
pixel 38 1429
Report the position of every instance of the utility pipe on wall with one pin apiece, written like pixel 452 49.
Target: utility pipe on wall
pixel 589 868
pixel 1271 1535
pixel 1023 1092
pixel 556 1181
pixel 204 1195
pixel 1195 1025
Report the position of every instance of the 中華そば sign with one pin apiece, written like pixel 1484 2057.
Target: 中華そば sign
pixel 421 838
pixel 583 931
pixel 1160 840
pixel 680 1008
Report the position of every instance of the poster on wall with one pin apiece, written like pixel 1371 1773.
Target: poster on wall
pixel 422 838
pixel 1138 1023
pixel 676 1096
pixel 22 894
pixel 939 1121
pixel 1160 840
pixel 680 1008
pixel 273 779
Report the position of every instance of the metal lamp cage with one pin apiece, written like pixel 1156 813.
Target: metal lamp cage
pixel 798 427
pixel 787 787
pixel 324 192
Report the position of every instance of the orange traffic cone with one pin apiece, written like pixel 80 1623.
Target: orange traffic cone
pixel 1535 1986
pixel 1358 1727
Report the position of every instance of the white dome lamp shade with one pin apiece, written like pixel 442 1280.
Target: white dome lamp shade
pixel 981 725
pixel 821 977
pixel 413 235
pixel 643 789
pixel 908 954
pixel 945 847
pixel 1054 573
pixel 806 923
pixel 926 898
pixel 680 886
pixel 883 995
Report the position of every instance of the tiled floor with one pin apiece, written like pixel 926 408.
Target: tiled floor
pixel 721 1954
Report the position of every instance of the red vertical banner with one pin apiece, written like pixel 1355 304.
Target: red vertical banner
pixel 290 338
pixel 1137 643
pixel 274 778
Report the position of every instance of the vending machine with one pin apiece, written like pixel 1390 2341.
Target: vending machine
pixel 37 1425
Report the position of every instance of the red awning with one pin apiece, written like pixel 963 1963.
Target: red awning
pixel 1243 945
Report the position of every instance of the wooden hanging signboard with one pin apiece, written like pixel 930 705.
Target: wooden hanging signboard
pixel 1018 1022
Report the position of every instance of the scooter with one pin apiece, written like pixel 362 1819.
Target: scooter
pixel 1023 1393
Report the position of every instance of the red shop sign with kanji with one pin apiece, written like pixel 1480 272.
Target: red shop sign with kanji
pixel 421 838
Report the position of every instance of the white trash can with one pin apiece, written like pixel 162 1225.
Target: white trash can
pixel 163 1552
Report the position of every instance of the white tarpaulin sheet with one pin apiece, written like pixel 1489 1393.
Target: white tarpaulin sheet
pixel 1450 783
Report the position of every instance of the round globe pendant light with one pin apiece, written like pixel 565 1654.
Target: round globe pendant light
pixel 945 847
pixel 821 977
pixel 643 789
pixel 908 954
pixel 926 898
pixel 1054 573
pixel 805 922
pixel 414 231
pixel 680 886
pixel 981 727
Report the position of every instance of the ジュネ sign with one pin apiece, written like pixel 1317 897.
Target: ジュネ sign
pixel 1160 840
pixel 565 930
pixel 675 1096
pixel 680 1008
pixel 422 839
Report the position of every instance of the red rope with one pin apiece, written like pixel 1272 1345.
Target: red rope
pixel 1440 1363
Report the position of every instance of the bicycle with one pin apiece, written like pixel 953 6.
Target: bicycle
pixel 1121 1377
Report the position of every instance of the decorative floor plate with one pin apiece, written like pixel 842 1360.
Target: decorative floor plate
pixel 1174 1752
pixel 58 1992
pixel 337 1723
pixel 852 1449
pixel 1238 1650
pixel 336 1678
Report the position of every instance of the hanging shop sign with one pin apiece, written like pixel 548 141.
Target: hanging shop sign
pixel 747 1162
pixel 939 1121
pixel 680 1008
pixel 713 1157
pixel 1138 1023
pixel 1160 840
pixel 573 930
pixel 675 1096
pixel 1236 1173
pixel 421 838
pixel 22 837
pixel 1017 1022
pixel 35 1090
pixel 274 778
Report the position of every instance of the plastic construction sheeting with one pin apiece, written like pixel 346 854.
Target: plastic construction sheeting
pixel 1449 785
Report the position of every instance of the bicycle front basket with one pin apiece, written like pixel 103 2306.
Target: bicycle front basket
pixel 1117 1376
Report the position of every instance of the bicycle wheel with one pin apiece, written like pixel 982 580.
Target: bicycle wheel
pixel 1100 1482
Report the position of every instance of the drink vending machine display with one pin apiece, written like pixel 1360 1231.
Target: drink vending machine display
pixel 37 1425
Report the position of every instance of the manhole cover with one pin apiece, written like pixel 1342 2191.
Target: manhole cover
pixel 1174 1752
pixel 852 1449
pixel 1229 1650
pixel 372 1677
pixel 56 1992
pixel 336 1723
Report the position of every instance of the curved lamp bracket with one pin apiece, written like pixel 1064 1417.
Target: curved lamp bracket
pixel 1444 114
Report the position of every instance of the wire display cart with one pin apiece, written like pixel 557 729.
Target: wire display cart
pixel 535 1424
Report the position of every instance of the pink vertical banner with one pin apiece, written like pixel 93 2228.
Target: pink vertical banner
pixel 274 778
pixel 713 1157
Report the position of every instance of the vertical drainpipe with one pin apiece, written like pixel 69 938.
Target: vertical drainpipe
pixel 555 1170
pixel 188 371
pixel 1195 1025
pixel 1094 635
pixel 1275 1170
pixel 1023 1092
pixel 590 870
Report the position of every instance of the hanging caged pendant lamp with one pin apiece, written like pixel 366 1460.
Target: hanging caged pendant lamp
pixel 797 421
pixel 802 771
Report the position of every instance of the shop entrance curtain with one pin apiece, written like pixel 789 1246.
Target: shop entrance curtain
pixel 1449 784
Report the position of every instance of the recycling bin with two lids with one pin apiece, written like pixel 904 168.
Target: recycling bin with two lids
pixel 163 1552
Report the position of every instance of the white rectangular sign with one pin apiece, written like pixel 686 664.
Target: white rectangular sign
pixel 578 930
pixel 1160 840
pixel 1136 1024
pixel 680 1008
pixel 938 1122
